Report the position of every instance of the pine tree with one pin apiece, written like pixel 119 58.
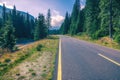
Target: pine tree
pixel 4 14
pixel 66 25
pixel 1 22
pixel 21 30
pixel 80 22
pixel 116 20
pixel 91 17
pixel 41 28
pixel 28 27
pixel 74 17
pixel 14 20
pixel 48 20
pixel 36 31
pixel 32 25
pixel 104 18
pixel 7 38
pixel 14 14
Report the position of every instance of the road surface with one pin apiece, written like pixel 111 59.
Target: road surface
pixel 81 60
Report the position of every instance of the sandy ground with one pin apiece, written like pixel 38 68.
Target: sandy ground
pixel 36 67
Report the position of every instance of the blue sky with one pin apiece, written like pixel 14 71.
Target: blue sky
pixel 58 7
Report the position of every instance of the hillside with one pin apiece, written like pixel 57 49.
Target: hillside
pixel 21 12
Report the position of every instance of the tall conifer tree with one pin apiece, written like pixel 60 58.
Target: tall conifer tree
pixel 91 17
pixel 48 20
pixel 4 14
pixel 41 28
pixel 74 17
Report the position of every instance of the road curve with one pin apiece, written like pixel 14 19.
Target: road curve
pixel 82 60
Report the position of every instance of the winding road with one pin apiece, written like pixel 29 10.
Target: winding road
pixel 81 60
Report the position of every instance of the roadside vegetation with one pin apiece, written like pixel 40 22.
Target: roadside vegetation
pixel 92 23
pixel 14 26
pixel 35 61
pixel 104 41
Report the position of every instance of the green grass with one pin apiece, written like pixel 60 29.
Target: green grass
pixel 21 77
pixel 31 70
pixel 44 75
pixel 16 62
pixel 105 41
pixel 8 61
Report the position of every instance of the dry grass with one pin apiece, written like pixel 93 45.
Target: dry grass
pixel 105 41
pixel 38 66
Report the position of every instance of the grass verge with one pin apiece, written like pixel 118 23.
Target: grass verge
pixel 105 41
pixel 35 61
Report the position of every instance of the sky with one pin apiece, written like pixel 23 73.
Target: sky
pixel 34 7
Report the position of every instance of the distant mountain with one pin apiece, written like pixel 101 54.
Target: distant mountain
pixel 21 12
pixel 55 28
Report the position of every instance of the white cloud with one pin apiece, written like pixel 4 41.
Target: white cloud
pixel 82 6
pixel 6 4
pixel 55 12
pixel 57 19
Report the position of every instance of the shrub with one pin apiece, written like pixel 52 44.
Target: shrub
pixel 7 60
pixel 117 39
pixel 2 65
pixel 94 36
pixel 80 33
pixel 100 33
pixel 18 74
pixel 44 75
pixel 33 74
pixel 39 47
pixel 15 48
pixel 31 70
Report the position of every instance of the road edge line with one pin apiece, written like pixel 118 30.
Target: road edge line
pixel 113 61
pixel 59 74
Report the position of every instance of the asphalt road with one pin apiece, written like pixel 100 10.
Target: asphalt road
pixel 82 60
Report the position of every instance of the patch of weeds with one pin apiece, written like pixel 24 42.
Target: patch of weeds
pixel 21 78
pixel 44 75
pixel 44 70
pixel 39 54
pixel 31 70
pixel 16 62
pixel 106 43
pixel 50 79
pixel 44 66
pixel 7 60
pixel 26 54
pixel 3 64
pixel 27 65
pixel 34 74
pixel 38 48
pixel 18 74
pixel 53 37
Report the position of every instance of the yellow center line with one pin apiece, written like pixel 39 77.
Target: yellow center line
pixel 59 74
pixel 113 61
